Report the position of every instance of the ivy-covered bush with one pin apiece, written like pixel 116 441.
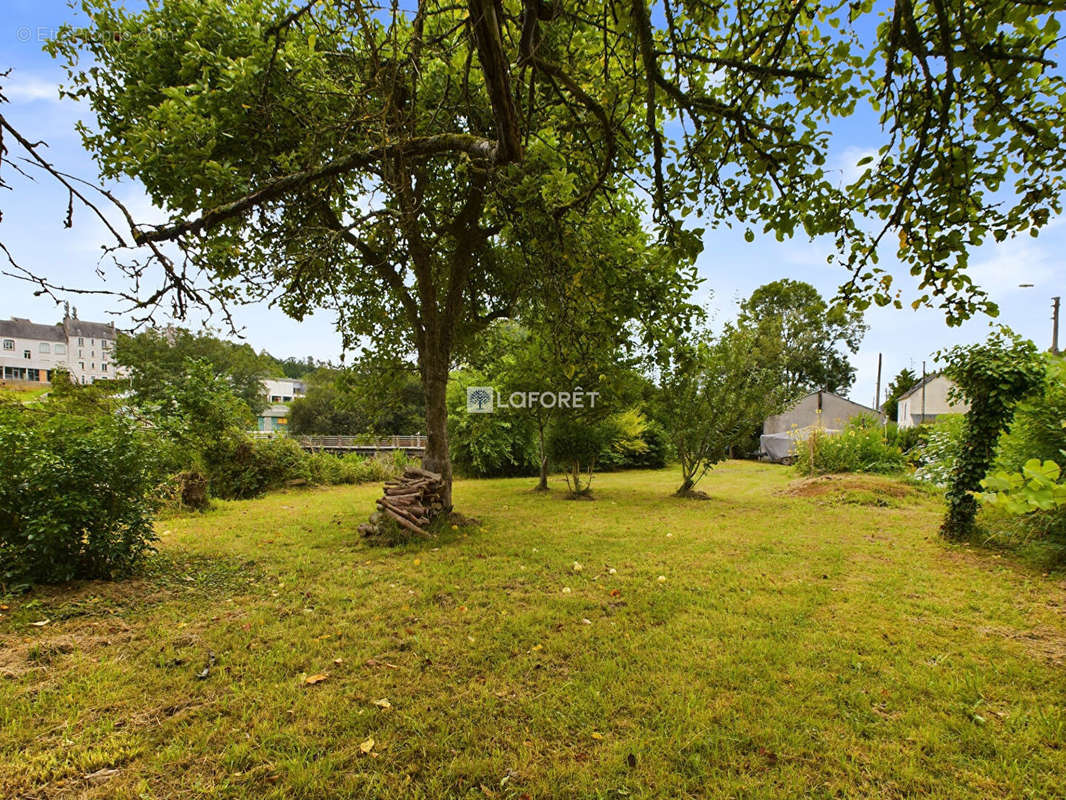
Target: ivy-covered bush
pixel 860 447
pixel 77 494
pixel 993 376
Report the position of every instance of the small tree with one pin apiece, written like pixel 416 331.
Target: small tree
pixel 903 381
pixel 575 443
pixel 714 392
pixel 993 377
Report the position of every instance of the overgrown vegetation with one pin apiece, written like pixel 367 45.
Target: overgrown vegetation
pixel 993 377
pixel 77 494
pixel 860 447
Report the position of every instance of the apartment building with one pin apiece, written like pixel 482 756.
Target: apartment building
pixel 30 351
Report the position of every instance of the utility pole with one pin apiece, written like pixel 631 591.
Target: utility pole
pixel 877 392
pixel 923 394
pixel 1055 325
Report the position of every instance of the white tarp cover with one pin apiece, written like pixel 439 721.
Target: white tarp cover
pixel 779 446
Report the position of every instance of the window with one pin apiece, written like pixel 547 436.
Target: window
pixel 9 344
pixel 81 364
pixel 286 399
pixel 92 366
pixel 275 398
pixel 60 349
pixel 81 342
pixel 103 367
pixel 27 354
pixel 92 342
pixel 45 347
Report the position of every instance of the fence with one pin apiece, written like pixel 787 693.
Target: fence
pixel 361 444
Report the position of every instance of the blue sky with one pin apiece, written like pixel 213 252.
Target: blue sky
pixel 731 268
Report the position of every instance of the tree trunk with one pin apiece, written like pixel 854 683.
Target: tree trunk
pixel 686 486
pixel 435 387
pixel 542 486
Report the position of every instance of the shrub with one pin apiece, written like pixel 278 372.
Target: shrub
pixel 858 448
pixel 240 467
pixel 935 459
pixel 1038 430
pixel 76 499
pixel 488 445
pixel 326 469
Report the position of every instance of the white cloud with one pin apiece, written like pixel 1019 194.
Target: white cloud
pixel 847 162
pixel 22 87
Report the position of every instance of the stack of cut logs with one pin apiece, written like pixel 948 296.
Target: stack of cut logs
pixel 411 501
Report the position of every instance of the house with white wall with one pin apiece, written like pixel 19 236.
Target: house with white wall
pixel 30 351
pixel 280 392
pixel 927 400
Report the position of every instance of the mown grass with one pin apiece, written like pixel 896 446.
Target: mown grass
pixel 800 643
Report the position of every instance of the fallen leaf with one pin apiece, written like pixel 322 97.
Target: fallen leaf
pixel 311 680
pixel 40 624
pixel 586 621
pixel 577 567
pixel 3 607
pixel 537 647
pixel 383 703
pixel 596 735
pixel 367 745
pixel 616 593
pixel 662 579
pixel 566 590
pixel 338 661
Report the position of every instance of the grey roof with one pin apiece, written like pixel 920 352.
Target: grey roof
pixel 923 382
pixel 94 330
pixel 19 328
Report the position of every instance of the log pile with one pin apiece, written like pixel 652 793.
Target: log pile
pixel 411 501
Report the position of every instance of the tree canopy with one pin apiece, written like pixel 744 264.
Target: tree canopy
pixel 811 333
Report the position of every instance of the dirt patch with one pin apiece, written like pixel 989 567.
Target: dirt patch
pixel 858 489
pixel 1044 643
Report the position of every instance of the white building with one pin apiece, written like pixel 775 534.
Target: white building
pixel 280 392
pixel 32 352
pixel 91 349
pixel 927 400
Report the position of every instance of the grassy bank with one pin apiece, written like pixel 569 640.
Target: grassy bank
pixel 782 639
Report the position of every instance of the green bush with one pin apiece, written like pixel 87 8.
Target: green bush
pixel 76 496
pixel 497 445
pixel 860 447
pixel 240 467
pixel 1039 427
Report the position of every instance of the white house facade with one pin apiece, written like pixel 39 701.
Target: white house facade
pixel 30 351
pixel 927 400
pixel 280 392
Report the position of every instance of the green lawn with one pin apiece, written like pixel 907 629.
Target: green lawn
pixel 812 642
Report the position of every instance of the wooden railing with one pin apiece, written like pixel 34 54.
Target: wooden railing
pixel 366 444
